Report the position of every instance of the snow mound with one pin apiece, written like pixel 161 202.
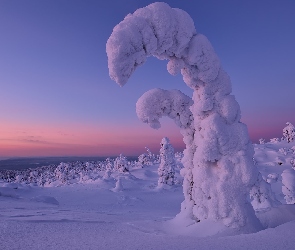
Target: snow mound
pixel 45 199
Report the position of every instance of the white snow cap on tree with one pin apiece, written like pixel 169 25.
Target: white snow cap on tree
pixel 156 30
pixel 156 103
pixel 166 170
pixel 289 132
pixel 219 171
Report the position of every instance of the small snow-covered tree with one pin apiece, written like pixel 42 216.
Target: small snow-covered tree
pixel 274 140
pixel 119 186
pixel 262 198
pixel 285 151
pixel 61 172
pixel 19 178
pixel 121 164
pixel 289 132
pixel 288 188
pixel 166 170
pixel 146 159
pixel 33 176
pixel 218 168
pixel 109 164
pixel 261 141
pixel 107 174
pixel 151 156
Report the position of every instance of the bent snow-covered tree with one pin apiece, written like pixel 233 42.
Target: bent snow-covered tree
pixel 219 172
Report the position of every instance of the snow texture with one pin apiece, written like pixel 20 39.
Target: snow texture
pixel 219 171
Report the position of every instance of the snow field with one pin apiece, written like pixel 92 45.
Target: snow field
pixel 91 215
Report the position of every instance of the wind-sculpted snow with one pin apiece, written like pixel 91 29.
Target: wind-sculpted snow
pixel 219 171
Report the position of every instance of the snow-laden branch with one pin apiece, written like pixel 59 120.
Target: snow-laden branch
pixel 156 103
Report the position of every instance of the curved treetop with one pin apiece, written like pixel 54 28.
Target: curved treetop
pixel 166 33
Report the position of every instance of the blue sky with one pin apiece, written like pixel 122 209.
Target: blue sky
pixel 56 96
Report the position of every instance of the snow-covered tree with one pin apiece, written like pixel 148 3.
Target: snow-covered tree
pixel 146 159
pixel 121 164
pixel 274 140
pixel 285 151
pixel 33 176
pixel 61 172
pixel 289 132
pixel 109 164
pixel 288 188
pixel 166 170
pixel 262 198
pixel 219 171
pixel 119 186
pixel 107 174
pixel 262 141
pixel 19 178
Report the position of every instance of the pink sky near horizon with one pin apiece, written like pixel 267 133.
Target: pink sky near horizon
pixel 30 140
pixel 39 140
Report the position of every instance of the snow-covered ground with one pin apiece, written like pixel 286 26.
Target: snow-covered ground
pixel 102 213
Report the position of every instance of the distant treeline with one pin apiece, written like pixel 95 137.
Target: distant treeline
pixel 26 163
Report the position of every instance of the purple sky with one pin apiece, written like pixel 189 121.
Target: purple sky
pixel 56 96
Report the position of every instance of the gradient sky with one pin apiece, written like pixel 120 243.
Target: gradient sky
pixel 56 97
